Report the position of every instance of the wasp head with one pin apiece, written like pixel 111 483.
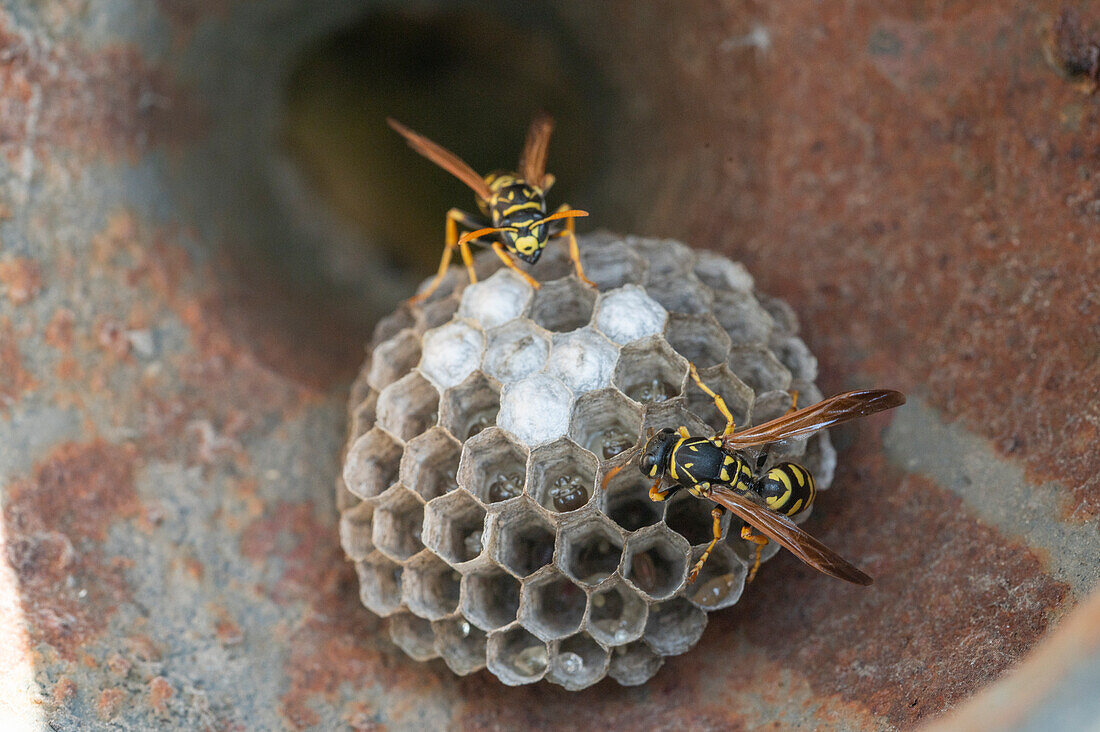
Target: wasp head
pixel 526 239
pixel 658 452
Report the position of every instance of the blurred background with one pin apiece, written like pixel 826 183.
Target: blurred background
pixel 202 215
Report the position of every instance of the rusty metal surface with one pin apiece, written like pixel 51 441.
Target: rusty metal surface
pixel 915 178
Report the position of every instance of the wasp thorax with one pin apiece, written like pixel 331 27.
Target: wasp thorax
pixel 485 421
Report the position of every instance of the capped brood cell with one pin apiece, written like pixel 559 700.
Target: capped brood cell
pixel 494 301
pixel 582 360
pixel 516 350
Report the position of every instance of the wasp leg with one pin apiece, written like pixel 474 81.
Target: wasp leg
pixel 570 230
pixel 716 514
pixel 794 401
pixel 499 249
pixel 656 494
pixel 718 401
pixel 454 218
pixel 761 541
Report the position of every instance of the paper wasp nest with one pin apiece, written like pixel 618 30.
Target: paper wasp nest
pixel 483 422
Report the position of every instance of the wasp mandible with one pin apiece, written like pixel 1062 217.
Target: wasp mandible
pixel 715 468
pixel 512 206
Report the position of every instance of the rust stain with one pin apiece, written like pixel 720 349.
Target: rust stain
pixel 104 103
pixel 56 522
pixel 118 665
pixel 109 703
pixel 226 629
pixel 59 331
pixel 22 279
pixel 14 379
pixel 954 604
pixel 338 642
pixel 923 194
pixel 63 692
pixel 160 691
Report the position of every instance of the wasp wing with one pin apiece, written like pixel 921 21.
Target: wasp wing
pixel 532 161
pixel 788 534
pixel 444 158
pixel 832 411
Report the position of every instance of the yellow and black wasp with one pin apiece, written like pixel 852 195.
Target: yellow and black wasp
pixel 512 206
pixel 715 468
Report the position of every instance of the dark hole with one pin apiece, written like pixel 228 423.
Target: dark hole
pixel 633 512
pixel 595 558
pixel 562 604
pixel 690 518
pixel 532 548
pixel 498 598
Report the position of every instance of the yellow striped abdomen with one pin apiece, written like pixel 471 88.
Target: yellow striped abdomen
pixel 787 488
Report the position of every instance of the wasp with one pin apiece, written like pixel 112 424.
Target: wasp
pixel 720 469
pixel 512 206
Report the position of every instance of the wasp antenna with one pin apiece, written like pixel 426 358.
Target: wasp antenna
pixel 570 214
pixel 471 235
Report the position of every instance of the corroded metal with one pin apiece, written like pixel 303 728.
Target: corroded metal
pixel 914 179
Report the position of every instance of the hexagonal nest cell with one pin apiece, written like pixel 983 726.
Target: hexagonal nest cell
pixel 481 429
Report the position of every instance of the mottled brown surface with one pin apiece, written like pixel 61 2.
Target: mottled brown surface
pixel 55 522
pixel 896 664
pixel 916 179
pixel 923 168
pixel 21 278
pixel 14 377
pixel 107 102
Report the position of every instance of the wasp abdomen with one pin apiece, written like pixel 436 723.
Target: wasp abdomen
pixel 787 488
